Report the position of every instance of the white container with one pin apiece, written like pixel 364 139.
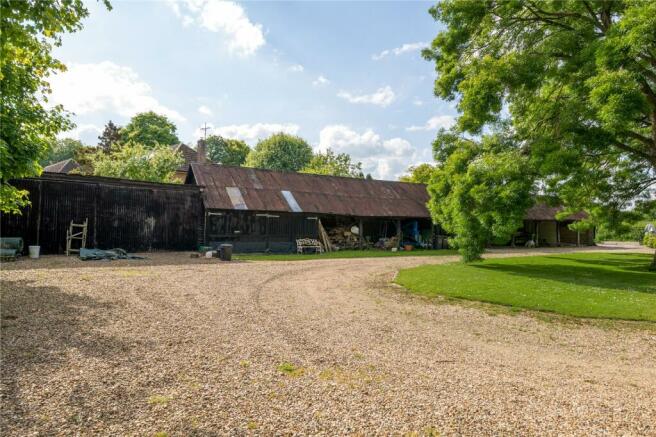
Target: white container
pixel 34 251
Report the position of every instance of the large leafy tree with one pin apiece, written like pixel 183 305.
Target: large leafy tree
pixel 111 135
pixel 571 82
pixel 136 161
pixel 334 164
pixel 61 149
pixel 150 129
pixel 280 152
pixel 226 151
pixel 28 32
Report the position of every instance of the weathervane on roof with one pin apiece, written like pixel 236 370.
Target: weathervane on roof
pixel 205 128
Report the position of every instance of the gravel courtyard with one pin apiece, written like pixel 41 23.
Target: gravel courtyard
pixel 196 347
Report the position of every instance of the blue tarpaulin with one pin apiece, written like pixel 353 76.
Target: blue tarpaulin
pixel 99 254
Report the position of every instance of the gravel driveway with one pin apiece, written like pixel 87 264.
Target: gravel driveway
pixel 194 347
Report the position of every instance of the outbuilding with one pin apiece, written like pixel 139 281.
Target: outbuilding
pixel 263 210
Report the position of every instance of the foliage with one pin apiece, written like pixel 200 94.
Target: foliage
pixel 419 174
pixel 226 151
pixel 138 162
pixel 622 231
pixel 280 152
pixel 85 156
pixel 60 150
pixel 574 82
pixel 649 240
pixel 479 192
pixel 111 135
pixel 333 164
pixel 29 31
pixel 150 129
pixel 600 285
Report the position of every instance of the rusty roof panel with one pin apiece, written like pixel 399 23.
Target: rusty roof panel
pixel 262 191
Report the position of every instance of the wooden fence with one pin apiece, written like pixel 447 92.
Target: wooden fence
pixel 132 215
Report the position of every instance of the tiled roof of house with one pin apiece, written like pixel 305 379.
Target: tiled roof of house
pixel 65 166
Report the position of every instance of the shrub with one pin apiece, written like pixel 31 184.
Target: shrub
pixel 649 240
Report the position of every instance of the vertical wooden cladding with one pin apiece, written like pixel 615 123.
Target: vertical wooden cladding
pixel 131 215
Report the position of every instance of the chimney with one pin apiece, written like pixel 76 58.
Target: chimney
pixel 201 152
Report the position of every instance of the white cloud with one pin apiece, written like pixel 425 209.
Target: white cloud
pixel 205 110
pixel 405 48
pixel 87 133
pixel 320 81
pixel 243 37
pixel 383 158
pixel 381 97
pixel 417 102
pixel 251 133
pixel 298 68
pixel 105 87
pixel 435 123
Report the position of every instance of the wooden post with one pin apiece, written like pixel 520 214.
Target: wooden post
pixel 38 216
pixel 557 233
pixel 95 215
pixel 578 238
pixel 360 232
pixel 433 242
pixel 398 233
pixel 537 233
pixel 205 229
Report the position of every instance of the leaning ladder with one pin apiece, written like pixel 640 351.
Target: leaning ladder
pixel 76 232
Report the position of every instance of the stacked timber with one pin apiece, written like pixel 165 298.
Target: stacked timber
pixel 342 238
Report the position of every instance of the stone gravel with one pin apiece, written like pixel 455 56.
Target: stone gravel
pixel 188 346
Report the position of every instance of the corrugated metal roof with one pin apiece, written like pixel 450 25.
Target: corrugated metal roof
pixel 542 211
pixel 262 190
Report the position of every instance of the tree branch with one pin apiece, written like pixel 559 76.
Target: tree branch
pixel 638 152
pixel 594 16
pixel 643 139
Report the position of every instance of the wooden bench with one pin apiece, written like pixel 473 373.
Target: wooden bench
pixel 308 243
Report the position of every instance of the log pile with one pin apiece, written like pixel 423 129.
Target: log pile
pixel 342 238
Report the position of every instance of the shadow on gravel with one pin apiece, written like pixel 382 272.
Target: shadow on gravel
pixel 43 330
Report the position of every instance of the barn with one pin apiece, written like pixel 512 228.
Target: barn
pixel 255 210
pixel 267 211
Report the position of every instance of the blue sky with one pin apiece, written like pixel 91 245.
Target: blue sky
pixel 344 75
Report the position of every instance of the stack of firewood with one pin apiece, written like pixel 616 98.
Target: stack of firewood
pixel 342 238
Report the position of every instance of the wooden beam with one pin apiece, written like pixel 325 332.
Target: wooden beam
pixel 398 233
pixel 537 233
pixel 360 232
pixel 557 233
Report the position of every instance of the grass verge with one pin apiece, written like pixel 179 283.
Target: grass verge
pixel 595 285
pixel 340 254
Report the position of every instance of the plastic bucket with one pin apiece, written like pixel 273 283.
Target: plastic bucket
pixel 34 251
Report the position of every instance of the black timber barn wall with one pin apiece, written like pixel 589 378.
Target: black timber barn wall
pixel 134 216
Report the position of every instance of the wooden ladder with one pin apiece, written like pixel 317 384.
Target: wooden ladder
pixel 323 236
pixel 76 232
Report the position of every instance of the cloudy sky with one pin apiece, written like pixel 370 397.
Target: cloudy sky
pixel 344 75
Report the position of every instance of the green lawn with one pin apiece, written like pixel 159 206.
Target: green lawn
pixel 598 285
pixel 341 254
